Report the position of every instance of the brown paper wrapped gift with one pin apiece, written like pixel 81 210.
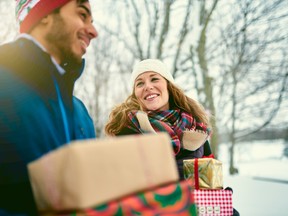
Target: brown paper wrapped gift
pixel 88 173
pixel 206 173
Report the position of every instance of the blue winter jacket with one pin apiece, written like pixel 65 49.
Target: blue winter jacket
pixel 32 122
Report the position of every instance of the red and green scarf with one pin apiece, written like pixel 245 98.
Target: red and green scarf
pixel 172 121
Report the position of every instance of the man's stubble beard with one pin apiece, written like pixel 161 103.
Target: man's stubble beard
pixel 60 41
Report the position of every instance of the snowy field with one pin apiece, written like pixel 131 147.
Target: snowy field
pixel 261 187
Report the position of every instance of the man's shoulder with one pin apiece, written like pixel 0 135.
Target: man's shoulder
pixel 14 51
pixel 13 46
pixel 9 81
pixel 15 92
pixel 6 51
pixel 11 54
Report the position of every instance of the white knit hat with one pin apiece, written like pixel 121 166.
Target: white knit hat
pixel 154 65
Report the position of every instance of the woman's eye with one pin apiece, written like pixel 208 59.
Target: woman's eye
pixel 154 79
pixel 139 84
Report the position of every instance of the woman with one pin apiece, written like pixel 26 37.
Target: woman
pixel 157 104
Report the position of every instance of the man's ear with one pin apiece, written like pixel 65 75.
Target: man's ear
pixel 46 20
pixel 43 24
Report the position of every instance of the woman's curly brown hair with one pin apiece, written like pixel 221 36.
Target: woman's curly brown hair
pixel 118 117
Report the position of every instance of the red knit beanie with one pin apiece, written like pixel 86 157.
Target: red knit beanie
pixel 30 12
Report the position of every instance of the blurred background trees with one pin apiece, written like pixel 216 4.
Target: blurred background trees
pixel 230 55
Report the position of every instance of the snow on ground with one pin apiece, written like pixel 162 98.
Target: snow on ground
pixel 261 187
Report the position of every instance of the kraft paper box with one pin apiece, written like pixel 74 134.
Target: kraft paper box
pixel 213 202
pixel 205 173
pixel 89 173
pixel 171 199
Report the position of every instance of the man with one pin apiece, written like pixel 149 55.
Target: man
pixel 37 110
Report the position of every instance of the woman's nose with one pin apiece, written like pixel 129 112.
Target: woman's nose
pixel 148 86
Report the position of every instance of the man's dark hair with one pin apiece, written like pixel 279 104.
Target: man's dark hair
pixel 82 1
pixel 78 2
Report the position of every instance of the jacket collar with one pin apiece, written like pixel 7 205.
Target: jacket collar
pixel 31 64
pixel 31 38
pixel 77 70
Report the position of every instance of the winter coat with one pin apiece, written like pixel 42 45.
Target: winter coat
pixel 33 116
pixel 183 154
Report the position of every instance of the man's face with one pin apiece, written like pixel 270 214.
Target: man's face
pixel 71 32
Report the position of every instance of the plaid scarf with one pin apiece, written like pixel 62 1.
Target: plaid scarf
pixel 174 122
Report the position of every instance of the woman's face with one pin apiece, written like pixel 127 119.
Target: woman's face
pixel 151 91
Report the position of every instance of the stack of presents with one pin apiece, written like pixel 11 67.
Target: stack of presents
pixel 129 175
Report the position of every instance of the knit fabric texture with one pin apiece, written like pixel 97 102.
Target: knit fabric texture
pixel 151 65
pixel 174 122
pixel 30 12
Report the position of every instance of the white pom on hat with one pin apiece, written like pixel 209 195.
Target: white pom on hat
pixel 30 12
pixel 154 65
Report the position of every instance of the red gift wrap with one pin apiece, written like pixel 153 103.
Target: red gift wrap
pixel 213 202
pixel 172 199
